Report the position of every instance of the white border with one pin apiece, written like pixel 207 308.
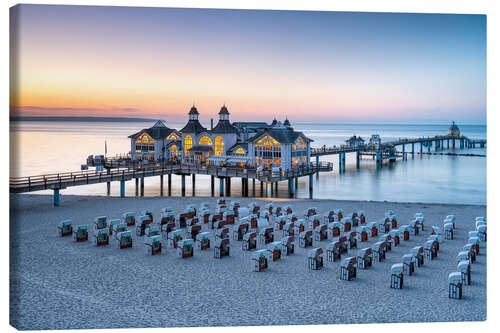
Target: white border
pixel 421 6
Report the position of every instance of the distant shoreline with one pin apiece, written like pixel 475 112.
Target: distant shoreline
pixel 87 119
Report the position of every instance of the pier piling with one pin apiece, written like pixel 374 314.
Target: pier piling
pixel 122 189
pixel 221 186
pixel 310 186
pixel 228 186
pixel 161 185
pixel 296 187
pixel 56 197
pixel 253 187
pixel 262 189
pixel 142 186
pixel 183 185
pixel 357 159
pixel 137 187
pixel 212 185
pixel 169 185
pixel 193 180
pixel 108 188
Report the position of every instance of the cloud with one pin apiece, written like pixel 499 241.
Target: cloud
pixel 65 111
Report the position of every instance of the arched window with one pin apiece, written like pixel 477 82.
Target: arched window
pixel 240 151
pixel 173 136
pixel 188 144
pixel 267 152
pixel 219 145
pixel 299 152
pixel 205 140
pixel 174 152
pixel 144 143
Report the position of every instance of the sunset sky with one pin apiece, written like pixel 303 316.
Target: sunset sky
pixel 308 66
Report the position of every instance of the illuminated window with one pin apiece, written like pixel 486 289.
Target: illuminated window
pixel 240 151
pixel 299 152
pixel 205 140
pixel 144 143
pixel 173 136
pixel 188 144
pixel 219 145
pixel 267 152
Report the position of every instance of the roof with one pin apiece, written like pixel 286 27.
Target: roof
pixel 158 131
pixel 250 124
pixel 282 135
pixel 244 145
pixel 223 110
pixel 224 126
pixel 193 126
pixel 193 110
pixel 201 148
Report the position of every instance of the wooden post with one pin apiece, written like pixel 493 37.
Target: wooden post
pixel 242 187
pixel 161 185
pixel 262 189
pixel 183 185
pixel 221 186
pixel 413 149
pixel 169 184
pixel 228 186
pixel 340 162
pixel 212 185
pixel 357 159
pixel 310 186
pixel 137 187
pixel 253 187
pixel 142 186
pixel 193 180
pixel 290 187
pixel 296 187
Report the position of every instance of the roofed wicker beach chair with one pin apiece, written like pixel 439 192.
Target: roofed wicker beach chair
pixel 450 219
pixel 314 221
pixel 315 258
pixel 393 220
pixel 266 215
pixel 221 233
pixel 234 206
pixel 152 230
pixel 167 228
pixel 436 238
pixel 387 239
pixel 419 217
pixel 288 229
pixel 469 247
pixel 329 216
pixel 188 213
pixel 340 213
pixel 475 244
pixel 293 217
pixel 221 201
pixel 100 222
pixel 287 246
pixel 221 248
pixel 266 235
pixel 353 239
pixel 129 218
pixel 364 258
pixel 418 253
pixel 101 237
pixel 481 232
pixel 65 228
pixel 346 223
pixel 112 225
pixel 204 215
pixel 334 229
pixel 185 248
pixel 355 219
pixel 395 237
pixel 260 260
pixel 280 222
pixel 269 207
pixel 117 228
pixel 193 230
pixel 397 276
pixel 464 268
pixel 362 217
pixel 144 222
pixel 254 208
pixel 228 217
pixel 378 250
pixel 448 231
pixel 278 211
pixel 436 230
pixel 373 227
pixel 333 251
pixel 299 226
pixel 203 241
pixel 243 212
pixel 348 269
pixel 455 285
pixel 124 239
pixel 305 238
pixel 80 233
pixel 240 230
pixel 409 264
pixel 288 209
pixel 167 217
pixel 405 231
pixel 383 226
pixel 173 238
pixel 249 241
pixel 414 228
pixel 321 232
pixel 364 231
pixel 148 213
pixel 193 221
pixel 464 255
pixel 430 251
pixel 310 212
pixel 153 245
pixel 275 249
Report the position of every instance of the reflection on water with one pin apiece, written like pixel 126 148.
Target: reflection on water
pixel 51 147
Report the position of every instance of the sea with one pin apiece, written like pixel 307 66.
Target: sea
pixel 41 147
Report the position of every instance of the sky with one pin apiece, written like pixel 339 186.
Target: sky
pixel 304 65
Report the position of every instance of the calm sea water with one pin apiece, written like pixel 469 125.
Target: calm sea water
pixel 52 147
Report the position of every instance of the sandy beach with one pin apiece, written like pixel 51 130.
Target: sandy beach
pixel 56 283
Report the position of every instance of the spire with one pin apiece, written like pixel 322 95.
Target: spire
pixel 287 122
pixel 223 113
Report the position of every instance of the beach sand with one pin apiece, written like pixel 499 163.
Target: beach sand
pixel 59 284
